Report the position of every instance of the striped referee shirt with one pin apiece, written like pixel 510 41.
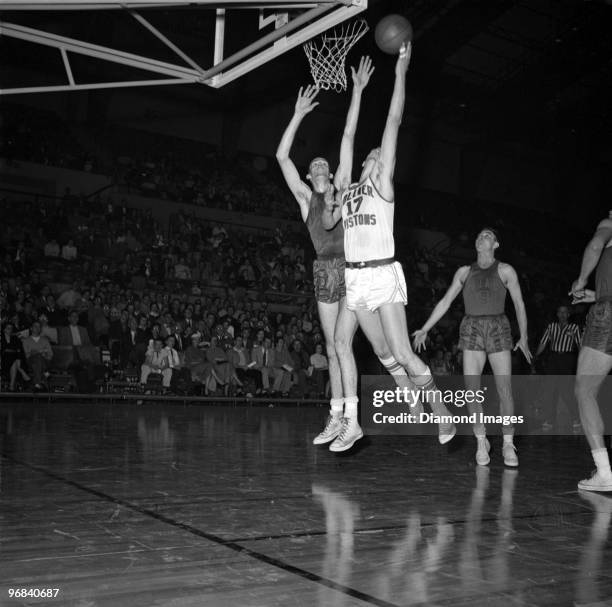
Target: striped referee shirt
pixel 562 339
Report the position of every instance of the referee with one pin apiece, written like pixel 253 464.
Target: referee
pixel 563 339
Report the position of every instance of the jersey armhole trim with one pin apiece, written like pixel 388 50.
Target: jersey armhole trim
pixel 377 191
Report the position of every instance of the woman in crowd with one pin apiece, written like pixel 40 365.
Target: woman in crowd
pixel 12 356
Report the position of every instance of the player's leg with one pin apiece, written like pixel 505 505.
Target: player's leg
pixel 593 367
pixel 346 326
pixel 395 330
pixel 330 292
pixel 328 315
pixel 501 365
pixel 372 328
pixel 473 364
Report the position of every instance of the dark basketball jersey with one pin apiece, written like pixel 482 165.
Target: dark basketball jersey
pixel 327 243
pixel 603 276
pixel 484 293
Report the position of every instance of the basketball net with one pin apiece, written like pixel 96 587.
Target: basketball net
pixel 328 54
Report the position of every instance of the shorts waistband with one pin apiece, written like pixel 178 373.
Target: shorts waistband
pixel 485 316
pixel 373 263
pixel 330 257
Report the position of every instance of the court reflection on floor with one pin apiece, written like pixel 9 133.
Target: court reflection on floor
pixel 409 570
pixel 590 567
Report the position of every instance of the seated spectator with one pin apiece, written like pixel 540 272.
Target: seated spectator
pixel 320 369
pixel 54 315
pixel 221 367
pixel 70 298
pixel 282 364
pixel 195 360
pixel 46 330
pixel 73 334
pixel 301 362
pixel 181 270
pixel 173 355
pixel 38 354
pixel 69 251
pixel 98 320
pixel 157 362
pixel 118 332
pixel 246 375
pixel 12 357
pixel 136 343
pixel 52 248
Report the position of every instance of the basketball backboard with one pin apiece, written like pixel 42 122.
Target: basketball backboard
pixel 283 25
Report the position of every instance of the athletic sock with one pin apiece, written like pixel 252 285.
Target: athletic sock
pixel 508 439
pixel 602 461
pixel 350 407
pixel 336 407
pixel 426 385
pixel 392 366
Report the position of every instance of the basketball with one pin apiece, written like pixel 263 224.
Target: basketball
pixel 391 32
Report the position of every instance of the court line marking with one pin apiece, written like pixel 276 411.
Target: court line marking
pixel 383 528
pixel 232 545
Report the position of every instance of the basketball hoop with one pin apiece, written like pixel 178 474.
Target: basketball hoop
pixel 328 54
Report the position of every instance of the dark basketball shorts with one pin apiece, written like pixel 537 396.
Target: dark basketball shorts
pixel 598 332
pixel 488 334
pixel 328 276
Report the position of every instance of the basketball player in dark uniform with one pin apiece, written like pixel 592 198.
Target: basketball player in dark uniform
pixel 485 333
pixel 595 358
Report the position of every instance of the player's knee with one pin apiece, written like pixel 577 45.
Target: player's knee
pixel 407 359
pixel 330 349
pixel 583 389
pixel 382 352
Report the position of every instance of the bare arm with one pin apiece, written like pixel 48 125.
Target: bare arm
pixel 361 77
pixel 592 253
pixel 543 341
pixel 442 306
pixel 304 105
pixel 383 178
pixel 333 208
pixel 510 279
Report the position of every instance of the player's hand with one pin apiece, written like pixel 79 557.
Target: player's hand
pixel 361 76
pixel 403 59
pixel 524 346
pixel 329 196
pixel 583 296
pixel 419 339
pixel 577 287
pixel 306 100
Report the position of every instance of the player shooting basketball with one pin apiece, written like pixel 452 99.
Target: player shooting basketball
pixel 338 324
pixel 375 284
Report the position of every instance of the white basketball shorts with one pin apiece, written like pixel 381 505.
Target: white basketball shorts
pixel 371 288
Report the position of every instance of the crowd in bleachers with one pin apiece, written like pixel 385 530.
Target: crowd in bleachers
pixel 191 306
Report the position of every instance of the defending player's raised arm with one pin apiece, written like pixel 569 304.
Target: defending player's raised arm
pixel 592 253
pixel 388 147
pixel 304 105
pixel 441 307
pixel 361 77
pixel 510 279
pixel 333 208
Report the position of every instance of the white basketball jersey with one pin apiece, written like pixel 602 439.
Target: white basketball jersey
pixel 368 223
